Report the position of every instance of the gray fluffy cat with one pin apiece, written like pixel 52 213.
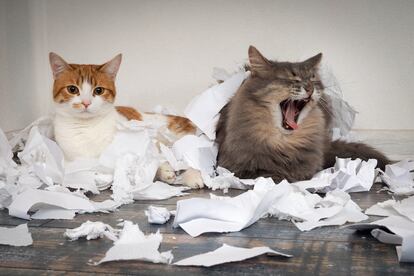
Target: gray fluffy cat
pixel 277 124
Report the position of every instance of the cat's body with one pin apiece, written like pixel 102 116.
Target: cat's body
pixel 277 124
pixel 86 117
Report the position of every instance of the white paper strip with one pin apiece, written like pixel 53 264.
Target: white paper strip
pixel 134 245
pixel 227 254
pixel 399 177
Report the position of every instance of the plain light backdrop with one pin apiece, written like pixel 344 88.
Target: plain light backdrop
pixel 170 48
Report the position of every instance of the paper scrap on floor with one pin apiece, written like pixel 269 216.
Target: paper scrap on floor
pixel 92 230
pixel 133 244
pixel 401 233
pixel 16 236
pixel 157 215
pixel 226 254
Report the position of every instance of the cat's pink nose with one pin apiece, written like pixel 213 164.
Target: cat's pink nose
pixel 86 103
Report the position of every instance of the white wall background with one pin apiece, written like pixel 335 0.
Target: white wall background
pixel 170 48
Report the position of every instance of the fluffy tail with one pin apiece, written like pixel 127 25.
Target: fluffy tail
pixel 354 150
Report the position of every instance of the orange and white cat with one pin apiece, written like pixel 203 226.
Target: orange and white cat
pixel 86 117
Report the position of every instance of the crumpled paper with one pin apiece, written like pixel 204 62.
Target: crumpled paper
pixel 399 177
pixel 92 230
pixel 347 175
pixel 226 254
pixel 16 236
pixel 134 245
pixel 157 215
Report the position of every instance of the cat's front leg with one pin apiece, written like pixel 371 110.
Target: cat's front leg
pixel 192 178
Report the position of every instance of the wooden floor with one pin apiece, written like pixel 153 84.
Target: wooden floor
pixel 327 251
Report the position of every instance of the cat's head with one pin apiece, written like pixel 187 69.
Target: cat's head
pixel 83 91
pixel 293 89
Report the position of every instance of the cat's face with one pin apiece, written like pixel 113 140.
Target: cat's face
pixel 83 91
pixel 292 89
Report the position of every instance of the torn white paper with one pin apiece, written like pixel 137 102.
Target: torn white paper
pixel 16 236
pixel 401 227
pixel 45 156
pixel 204 109
pixel 226 254
pixel 399 177
pixel 344 115
pixel 157 215
pixel 134 245
pixel 24 202
pixel 197 152
pixel 92 230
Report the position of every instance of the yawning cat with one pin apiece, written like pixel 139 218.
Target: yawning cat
pixel 277 124
pixel 86 117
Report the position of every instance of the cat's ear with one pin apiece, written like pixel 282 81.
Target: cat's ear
pixel 258 62
pixel 111 67
pixel 57 64
pixel 314 61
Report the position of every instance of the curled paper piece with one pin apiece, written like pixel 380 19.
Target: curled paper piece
pixel 226 254
pixel 204 109
pixel 402 233
pixel 16 236
pixel 23 202
pixel 157 215
pixel 392 207
pixel 92 230
pixel 134 245
pixel 199 215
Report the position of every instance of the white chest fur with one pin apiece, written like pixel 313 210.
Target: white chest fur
pixel 80 137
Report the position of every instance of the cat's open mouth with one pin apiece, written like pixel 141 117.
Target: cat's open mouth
pixel 290 112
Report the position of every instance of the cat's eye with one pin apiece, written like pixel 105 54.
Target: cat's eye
pixel 72 89
pixel 98 91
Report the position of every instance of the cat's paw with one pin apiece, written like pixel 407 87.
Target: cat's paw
pixel 192 178
pixel 166 173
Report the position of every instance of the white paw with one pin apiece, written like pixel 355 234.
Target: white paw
pixel 192 178
pixel 165 173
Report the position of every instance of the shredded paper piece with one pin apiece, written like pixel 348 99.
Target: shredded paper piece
pixel 227 254
pixel 16 236
pixel 92 230
pixel 134 245
pixel 157 215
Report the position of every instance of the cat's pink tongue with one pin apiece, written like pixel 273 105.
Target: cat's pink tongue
pixel 290 114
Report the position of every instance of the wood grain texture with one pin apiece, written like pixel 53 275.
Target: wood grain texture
pixel 323 251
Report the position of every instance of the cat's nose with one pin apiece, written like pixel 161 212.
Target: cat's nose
pixel 86 103
pixel 308 88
